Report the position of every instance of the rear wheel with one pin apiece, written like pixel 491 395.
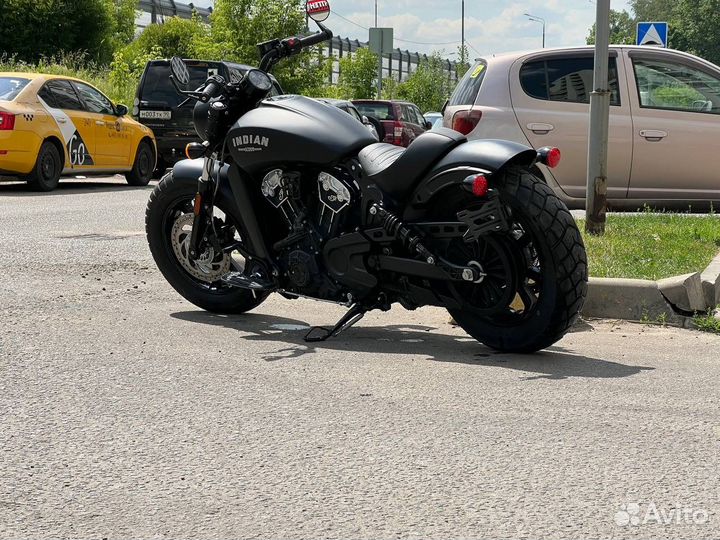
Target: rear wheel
pixel 45 176
pixel 143 167
pixel 536 273
pixel 168 224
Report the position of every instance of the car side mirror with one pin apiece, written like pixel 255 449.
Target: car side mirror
pixel 121 110
pixel 428 125
pixel 365 120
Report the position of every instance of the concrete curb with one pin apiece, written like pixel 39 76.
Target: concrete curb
pixel 710 279
pixel 673 300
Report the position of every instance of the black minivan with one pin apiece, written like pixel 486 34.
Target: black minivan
pixel 157 105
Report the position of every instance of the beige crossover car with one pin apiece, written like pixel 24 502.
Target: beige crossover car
pixel 664 119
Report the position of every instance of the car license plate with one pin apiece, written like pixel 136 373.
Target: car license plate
pixel 156 115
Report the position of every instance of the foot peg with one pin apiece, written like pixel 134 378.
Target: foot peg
pixel 320 333
pixel 240 280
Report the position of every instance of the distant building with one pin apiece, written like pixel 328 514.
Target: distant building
pixel 399 66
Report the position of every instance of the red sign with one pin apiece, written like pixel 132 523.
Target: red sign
pixel 318 10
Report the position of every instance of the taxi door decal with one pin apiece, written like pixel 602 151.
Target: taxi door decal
pixel 76 147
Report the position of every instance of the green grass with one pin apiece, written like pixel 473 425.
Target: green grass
pixel 652 246
pixel 707 323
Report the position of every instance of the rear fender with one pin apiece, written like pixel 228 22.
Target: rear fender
pixel 487 156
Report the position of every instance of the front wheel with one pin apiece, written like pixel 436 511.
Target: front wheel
pixel 536 272
pixel 168 224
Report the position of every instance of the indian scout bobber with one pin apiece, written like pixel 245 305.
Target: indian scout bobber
pixel 293 196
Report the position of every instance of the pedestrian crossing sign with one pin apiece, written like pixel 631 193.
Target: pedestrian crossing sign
pixel 652 33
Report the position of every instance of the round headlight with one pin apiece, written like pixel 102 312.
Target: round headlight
pixel 260 80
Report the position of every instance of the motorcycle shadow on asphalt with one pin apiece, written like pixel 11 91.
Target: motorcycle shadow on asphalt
pixel 555 363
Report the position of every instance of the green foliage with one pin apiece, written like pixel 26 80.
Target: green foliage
pixel 122 16
pixel 708 322
pixel 75 65
pixel 33 29
pixel 428 87
pixel 622 29
pixel 463 64
pixel 358 75
pixel 681 97
pixel 694 25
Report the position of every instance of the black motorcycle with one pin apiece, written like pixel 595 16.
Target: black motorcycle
pixel 294 196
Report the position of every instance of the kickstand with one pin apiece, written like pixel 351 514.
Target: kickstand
pixel 319 333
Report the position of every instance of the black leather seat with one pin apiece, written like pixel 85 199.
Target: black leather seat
pixel 396 169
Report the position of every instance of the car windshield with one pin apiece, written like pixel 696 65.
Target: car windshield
pixel 10 87
pixel 381 111
pixel 159 90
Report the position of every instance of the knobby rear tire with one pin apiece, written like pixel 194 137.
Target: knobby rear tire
pixel 558 239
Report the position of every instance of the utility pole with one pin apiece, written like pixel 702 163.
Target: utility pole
pixel 462 50
pixel 540 20
pixel 596 198
pixel 376 25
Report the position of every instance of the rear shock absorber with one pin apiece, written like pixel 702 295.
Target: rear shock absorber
pixel 394 227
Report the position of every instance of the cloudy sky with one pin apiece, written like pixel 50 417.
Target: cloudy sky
pixel 490 25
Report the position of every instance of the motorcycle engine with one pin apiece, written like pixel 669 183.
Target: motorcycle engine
pixel 299 252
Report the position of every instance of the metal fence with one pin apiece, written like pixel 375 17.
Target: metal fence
pixel 399 65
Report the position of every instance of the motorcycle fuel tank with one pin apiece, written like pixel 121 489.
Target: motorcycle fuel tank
pixel 295 129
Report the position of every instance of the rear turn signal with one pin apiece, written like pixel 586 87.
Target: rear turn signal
pixel 7 121
pixel 465 121
pixel 549 156
pixel 477 184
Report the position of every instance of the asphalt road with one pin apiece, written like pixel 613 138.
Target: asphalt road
pixel 128 413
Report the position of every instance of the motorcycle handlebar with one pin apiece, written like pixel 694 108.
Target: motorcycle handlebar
pixel 212 90
pixel 314 39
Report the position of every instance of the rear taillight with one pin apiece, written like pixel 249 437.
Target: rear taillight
pixel 465 121
pixel 477 184
pixel 7 121
pixel 397 133
pixel 549 156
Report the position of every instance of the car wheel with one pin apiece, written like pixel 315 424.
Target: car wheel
pixel 143 167
pixel 46 173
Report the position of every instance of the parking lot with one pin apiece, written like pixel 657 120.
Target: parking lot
pixel 127 412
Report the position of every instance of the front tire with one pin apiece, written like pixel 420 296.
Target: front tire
pixel 45 176
pixel 546 254
pixel 143 166
pixel 171 203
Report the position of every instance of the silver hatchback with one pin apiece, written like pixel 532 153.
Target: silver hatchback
pixel 664 119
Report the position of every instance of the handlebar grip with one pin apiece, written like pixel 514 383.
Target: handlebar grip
pixel 212 90
pixel 316 38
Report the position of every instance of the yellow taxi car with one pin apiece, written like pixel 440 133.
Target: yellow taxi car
pixel 52 126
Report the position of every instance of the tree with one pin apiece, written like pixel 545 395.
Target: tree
pixel 33 29
pixel 358 75
pixel 429 86
pixel 697 28
pixel 463 64
pixel 239 25
pixel 122 15
pixel 622 29
pixel 653 10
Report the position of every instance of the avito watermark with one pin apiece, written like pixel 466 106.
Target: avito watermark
pixel 636 514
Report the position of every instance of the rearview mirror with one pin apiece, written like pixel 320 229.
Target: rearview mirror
pixel 317 10
pixel 428 124
pixel 121 110
pixel 179 71
pixel 365 120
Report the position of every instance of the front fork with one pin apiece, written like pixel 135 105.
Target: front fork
pixel 203 207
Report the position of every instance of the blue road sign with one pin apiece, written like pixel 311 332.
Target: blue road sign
pixel 652 33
